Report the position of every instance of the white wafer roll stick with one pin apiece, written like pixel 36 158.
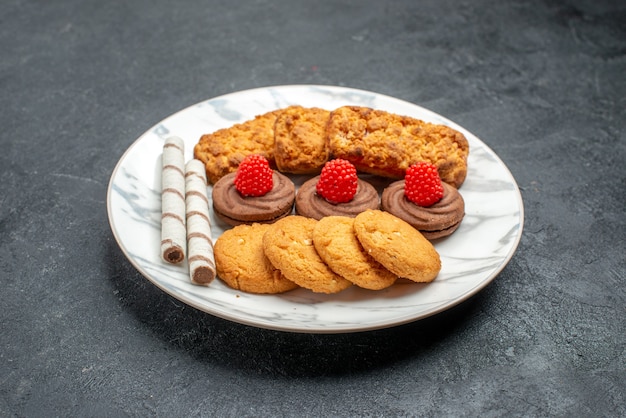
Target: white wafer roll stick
pixel 173 231
pixel 199 243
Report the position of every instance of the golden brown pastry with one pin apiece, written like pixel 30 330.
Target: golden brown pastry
pixel 223 150
pixel 300 140
pixel 386 144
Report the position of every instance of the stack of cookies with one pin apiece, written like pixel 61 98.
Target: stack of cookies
pixel 371 251
pixel 300 140
pixel 328 255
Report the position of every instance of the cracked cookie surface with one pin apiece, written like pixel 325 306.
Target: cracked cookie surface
pixel 241 262
pixel 398 246
pixel 338 246
pixel 288 244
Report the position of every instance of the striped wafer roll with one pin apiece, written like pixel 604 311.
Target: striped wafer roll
pixel 199 243
pixel 173 231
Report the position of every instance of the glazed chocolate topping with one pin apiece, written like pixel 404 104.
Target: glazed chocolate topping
pixel 312 205
pixel 449 211
pixel 228 202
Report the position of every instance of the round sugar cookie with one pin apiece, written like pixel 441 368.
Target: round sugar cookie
pixel 338 246
pixel 288 244
pixel 398 246
pixel 241 262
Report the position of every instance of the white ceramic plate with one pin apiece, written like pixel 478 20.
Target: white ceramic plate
pixel 471 257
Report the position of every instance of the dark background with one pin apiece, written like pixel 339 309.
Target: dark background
pixel 543 83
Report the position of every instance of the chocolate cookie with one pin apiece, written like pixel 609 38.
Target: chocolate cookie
pixel 234 209
pixel 436 221
pixel 312 205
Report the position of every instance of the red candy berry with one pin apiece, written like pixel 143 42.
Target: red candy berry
pixel 254 176
pixel 338 181
pixel 422 184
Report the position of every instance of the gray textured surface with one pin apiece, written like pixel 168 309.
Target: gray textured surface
pixel 83 334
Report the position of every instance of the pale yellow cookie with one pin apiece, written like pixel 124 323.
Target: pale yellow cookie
pixel 241 262
pixel 288 244
pixel 338 246
pixel 398 246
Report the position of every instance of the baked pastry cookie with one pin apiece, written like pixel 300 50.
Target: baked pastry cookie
pixel 337 245
pixel 300 139
pixel 223 150
pixel 288 244
pixel 241 262
pixel 386 144
pixel 398 246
